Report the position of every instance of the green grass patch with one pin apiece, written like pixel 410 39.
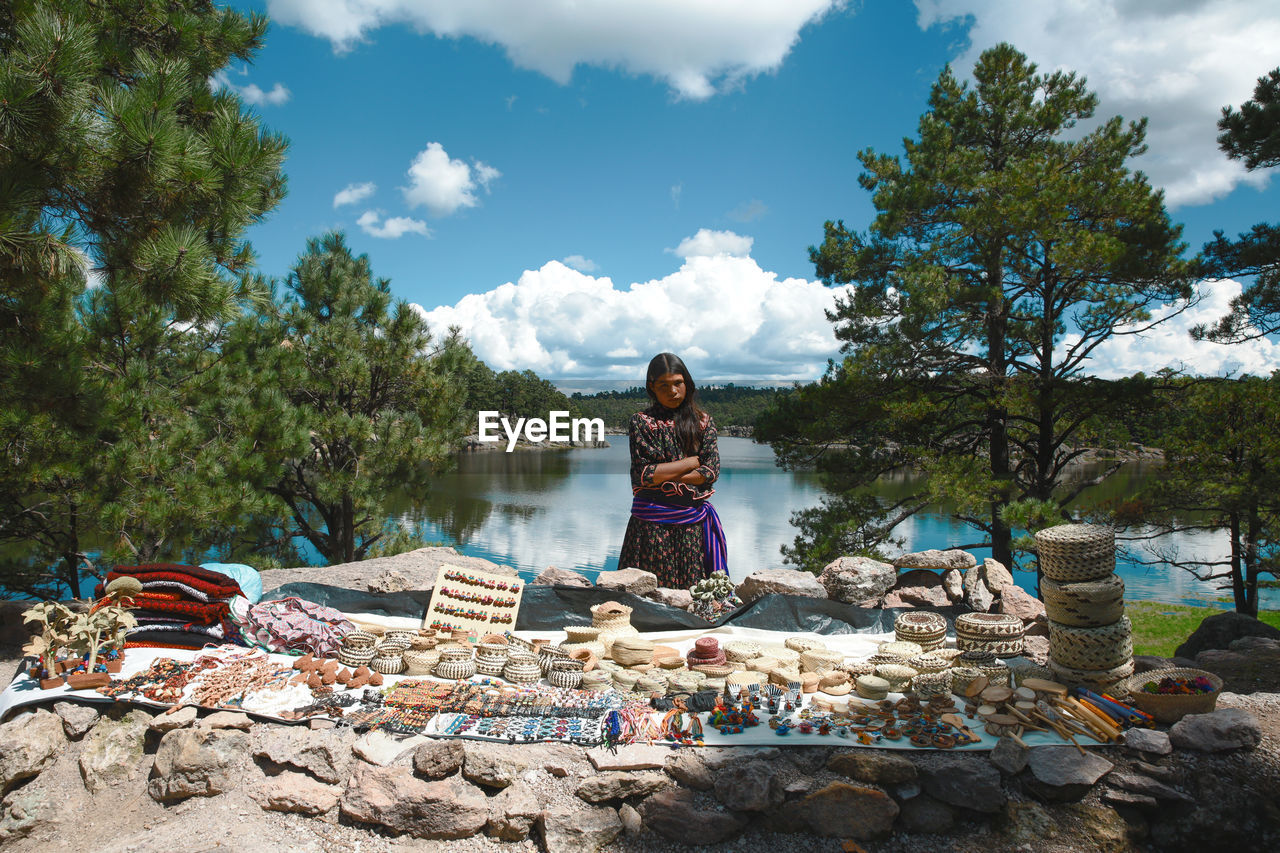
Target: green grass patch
pixel 1159 628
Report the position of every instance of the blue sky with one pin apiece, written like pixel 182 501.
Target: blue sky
pixel 580 185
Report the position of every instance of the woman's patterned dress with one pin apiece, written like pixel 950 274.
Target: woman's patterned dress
pixel 674 552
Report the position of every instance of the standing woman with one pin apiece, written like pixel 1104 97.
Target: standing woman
pixel 674 531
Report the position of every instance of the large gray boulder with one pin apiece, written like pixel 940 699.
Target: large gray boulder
pixel 323 754
pixel 933 558
pixel 1063 773
pixel 553 576
pixel 1217 731
pixel 634 581
pixel 964 781
pixel 28 744
pixel 393 797
pixel 842 810
pixel 678 814
pixel 857 579
pixel 569 830
pixel 111 752
pixel 779 581
pixel 1221 630
pixel 198 763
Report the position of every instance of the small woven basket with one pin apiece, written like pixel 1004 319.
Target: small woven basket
pixel 522 670
pixel 988 626
pixel 549 655
pixel 820 660
pixel 1084 604
pixel 389 664
pixel 565 673
pixel 929 684
pixel 898 675
pixel 355 657
pixel 1076 552
pixel 456 669
pixel 742 650
pixel 899 648
pixel 1170 707
pixel 632 651
pixel 420 661
pixel 803 644
pixel 926 629
pixel 1103 647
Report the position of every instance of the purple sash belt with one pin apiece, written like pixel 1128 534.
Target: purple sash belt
pixel 715 551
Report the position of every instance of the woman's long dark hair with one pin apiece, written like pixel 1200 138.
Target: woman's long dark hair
pixel 688 417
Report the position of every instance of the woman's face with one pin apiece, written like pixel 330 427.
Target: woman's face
pixel 669 389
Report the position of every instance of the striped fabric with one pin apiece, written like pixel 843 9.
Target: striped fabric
pixel 715 555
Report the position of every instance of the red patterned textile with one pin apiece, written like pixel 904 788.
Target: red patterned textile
pixel 210 588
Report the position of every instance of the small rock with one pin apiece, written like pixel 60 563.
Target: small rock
pixel 1146 663
pixel 552 576
pixel 918 588
pixel 513 813
pixel 953 584
pixel 32 807
pixel 690 770
pixel 749 786
pixel 323 755
pixel 996 576
pixel 393 797
pixel 779 582
pixel 936 559
pixel 925 814
pixel 111 752
pixel 1139 784
pixel 77 719
pixel 297 793
pixel 319 724
pixel 980 598
pixel 436 759
pixel 28 744
pixel 1245 645
pixel 717 758
pixel 492 765
pixel 631 821
pixel 198 763
pixel 681 599
pixel 1036 649
pixel 389 581
pixel 1016 601
pixel 634 581
pixel 855 579
pixel 566 830
pixel 179 719
pixel 1156 771
pixel 227 720
pixel 1127 798
pixel 378 747
pixel 879 767
pixel 970 783
pixel 1151 741
pixel 1009 756
pixel 1217 731
pixel 1027 824
pixel 677 815
pixel 1062 774
pixel 1104 827
pixel 632 757
pixel 558 759
pixel 618 785
pixel 848 811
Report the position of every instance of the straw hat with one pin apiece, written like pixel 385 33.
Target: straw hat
pixel 835 683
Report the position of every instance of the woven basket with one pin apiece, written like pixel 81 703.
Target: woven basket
pixel 1076 552
pixel 565 673
pixel 613 620
pixel 784 655
pixel 820 660
pixel 871 686
pixel 522 670
pixel 625 680
pixel 745 678
pixel 898 675
pixel 493 668
pixel 1169 708
pixel 1085 604
pixel 403 637
pixel 927 663
pixel 575 634
pixel 997 673
pixel 1104 647
pixel 494 653
pixel 1018 672
pixel 355 657
pixel 649 684
pixel 962 677
pixel 926 629
pixel 975 657
pixel 632 651
pixel 390 664
pixel 742 650
pixel 988 626
pixel 714 670
pixel 899 648
pixel 763 664
pixel 550 654
pixel 514 642
pixel 1092 678
pixel 803 644
pixel 597 681
pixel 1006 648
pixel 420 661
pixel 929 684
pixel 359 640
pixel 456 669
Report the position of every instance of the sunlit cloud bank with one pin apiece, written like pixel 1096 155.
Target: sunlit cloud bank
pixel 720 311
pixel 1170 345
pixel 1176 62
pixel 696 46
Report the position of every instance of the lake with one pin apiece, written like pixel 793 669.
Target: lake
pixel 569 508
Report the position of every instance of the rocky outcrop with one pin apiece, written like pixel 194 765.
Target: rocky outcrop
pixel 394 798
pixel 1218 731
pixel 198 763
pixel 1221 629
pixel 779 581
pixel 112 751
pixel 552 576
pixel 28 744
pixel 936 559
pixel 917 588
pixel 634 581
pixel 568 830
pixel 681 599
pixel 857 579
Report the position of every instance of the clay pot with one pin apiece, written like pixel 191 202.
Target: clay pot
pixel 87 680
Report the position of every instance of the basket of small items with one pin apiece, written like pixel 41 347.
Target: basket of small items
pixel 1170 694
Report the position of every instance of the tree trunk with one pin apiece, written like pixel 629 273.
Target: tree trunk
pixel 997 427
pixel 1237 569
pixel 348 533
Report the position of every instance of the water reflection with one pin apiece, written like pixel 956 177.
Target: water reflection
pixel 530 510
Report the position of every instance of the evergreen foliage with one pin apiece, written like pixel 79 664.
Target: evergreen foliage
pixel 731 405
pixel 1004 251
pixel 1251 134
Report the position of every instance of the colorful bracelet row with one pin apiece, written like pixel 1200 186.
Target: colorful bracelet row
pixel 472 580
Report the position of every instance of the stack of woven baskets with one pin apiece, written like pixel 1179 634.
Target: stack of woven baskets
pixel 1090 638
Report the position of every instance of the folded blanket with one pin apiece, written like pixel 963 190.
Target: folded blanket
pixel 209 575
pixel 179 581
pixel 186 611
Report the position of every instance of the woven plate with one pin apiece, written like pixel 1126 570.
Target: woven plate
pixel 1169 708
pixel 1085 604
pixel 1076 552
pixel 820 660
pixel 1103 647
pixel 899 648
pixel 803 644
pixel 745 678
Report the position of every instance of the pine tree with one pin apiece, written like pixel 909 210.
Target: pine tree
pixel 1003 253
pixel 381 401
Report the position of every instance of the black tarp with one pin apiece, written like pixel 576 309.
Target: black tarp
pixel 551 608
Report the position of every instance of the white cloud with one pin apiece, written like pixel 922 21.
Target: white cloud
pixel 696 46
pixel 1177 62
pixel 443 184
pixel 393 228
pixel 720 310
pixel 352 193
pixel 708 244
pixel 252 93
pixel 581 264
pixel 1170 344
